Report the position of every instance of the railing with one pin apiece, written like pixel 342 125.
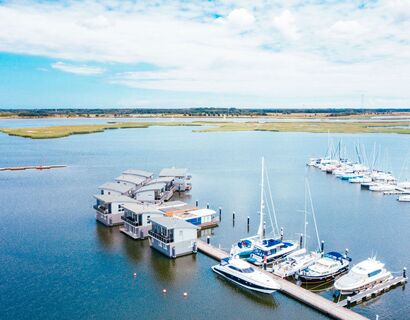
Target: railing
pixel 101 209
pixel 160 237
pixel 130 221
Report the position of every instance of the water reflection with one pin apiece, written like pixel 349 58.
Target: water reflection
pixel 135 250
pixel 108 237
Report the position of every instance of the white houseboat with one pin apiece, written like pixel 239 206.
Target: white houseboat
pixel 173 237
pixel 137 219
pixel 115 189
pixel 139 173
pixel 182 178
pixel 131 180
pixel 109 208
pixel 153 193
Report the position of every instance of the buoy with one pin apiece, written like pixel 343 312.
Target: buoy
pixel 164 290
pixel 135 274
pixel 185 294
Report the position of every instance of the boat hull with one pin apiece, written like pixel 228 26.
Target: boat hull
pixel 322 278
pixel 242 282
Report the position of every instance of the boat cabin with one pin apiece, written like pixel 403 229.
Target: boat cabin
pixel 172 237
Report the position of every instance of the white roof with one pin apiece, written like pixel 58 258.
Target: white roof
pixel 161 179
pixel 150 187
pixel 173 172
pixel 109 198
pixel 367 266
pixel 141 208
pixel 115 186
pixel 202 212
pixel 172 204
pixel 173 223
pixel 130 178
pixel 136 172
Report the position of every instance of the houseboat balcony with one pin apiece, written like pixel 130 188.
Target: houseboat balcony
pixel 161 238
pixel 131 221
pixel 101 209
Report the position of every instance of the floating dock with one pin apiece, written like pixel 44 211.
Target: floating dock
pixel 32 168
pixel 307 297
pixel 372 292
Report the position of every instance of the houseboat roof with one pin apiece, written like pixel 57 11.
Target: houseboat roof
pixel 173 223
pixel 109 198
pixel 152 187
pixel 115 186
pixel 189 214
pixel 161 179
pixel 136 172
pixel 173 172
pixel 141 208
pixel 169 205
pixel 131 178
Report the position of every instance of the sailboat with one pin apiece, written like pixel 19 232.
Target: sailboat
pixel 300 259
pixel 258 248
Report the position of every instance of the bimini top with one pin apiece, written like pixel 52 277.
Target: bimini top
pixel 172 223
pixel 335 255
pixel 152 187
pixel 173 172
pixel 137 180
pixel 140 173
pixel 115 186
pixel 109 198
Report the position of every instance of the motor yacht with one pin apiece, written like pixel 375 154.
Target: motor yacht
pixel 362 276
pixel 404 198
pixel 331 265
pixel 245 275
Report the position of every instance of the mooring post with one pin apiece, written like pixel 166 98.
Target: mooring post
pixel 404 272
pixel 349 301
pixel 208 239
pixel 207 205
pixel 233 216
pixel 196 203
pixel 322 246
pixel 220 213
pixel 301 240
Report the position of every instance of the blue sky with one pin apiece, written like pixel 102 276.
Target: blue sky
pixel 204 53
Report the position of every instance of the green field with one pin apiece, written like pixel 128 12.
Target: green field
pixel 228 126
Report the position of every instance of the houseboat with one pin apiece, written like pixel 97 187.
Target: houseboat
pixel 139 173
pixel 131 180
pixel 153 193
pixel 115 189
pixel 182 178
pixel 137 219
pixel 109 208
pixel 173 237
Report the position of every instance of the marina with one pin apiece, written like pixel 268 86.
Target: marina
pixel 105 257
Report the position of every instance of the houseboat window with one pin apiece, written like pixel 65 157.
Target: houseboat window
pixel 148 219
pixel 102 191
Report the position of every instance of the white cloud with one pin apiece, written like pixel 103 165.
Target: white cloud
pixel 77 69
pixel 286 24
pixel 241 17
pixel 340 49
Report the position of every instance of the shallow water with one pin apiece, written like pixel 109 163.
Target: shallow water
pixel 56 261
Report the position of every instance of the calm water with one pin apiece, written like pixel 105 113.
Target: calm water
pixel 56 261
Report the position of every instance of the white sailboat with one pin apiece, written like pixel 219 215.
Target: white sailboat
pixel 300 259
pixel 259 247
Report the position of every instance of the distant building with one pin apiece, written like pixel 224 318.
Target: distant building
pixel 182 178
pixel 137 219
pixel 173 237
pixel 109 208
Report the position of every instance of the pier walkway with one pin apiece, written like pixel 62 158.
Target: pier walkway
pixel 307 297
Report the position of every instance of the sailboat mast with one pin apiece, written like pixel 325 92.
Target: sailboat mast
pixel 260 232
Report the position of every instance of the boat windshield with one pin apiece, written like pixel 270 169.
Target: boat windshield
pixel 244 270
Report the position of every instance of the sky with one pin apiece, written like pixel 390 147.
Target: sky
pixel 227 53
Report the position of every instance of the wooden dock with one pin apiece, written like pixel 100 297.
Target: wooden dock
pixel 372 292
pixel 307 297
pixel 32 168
